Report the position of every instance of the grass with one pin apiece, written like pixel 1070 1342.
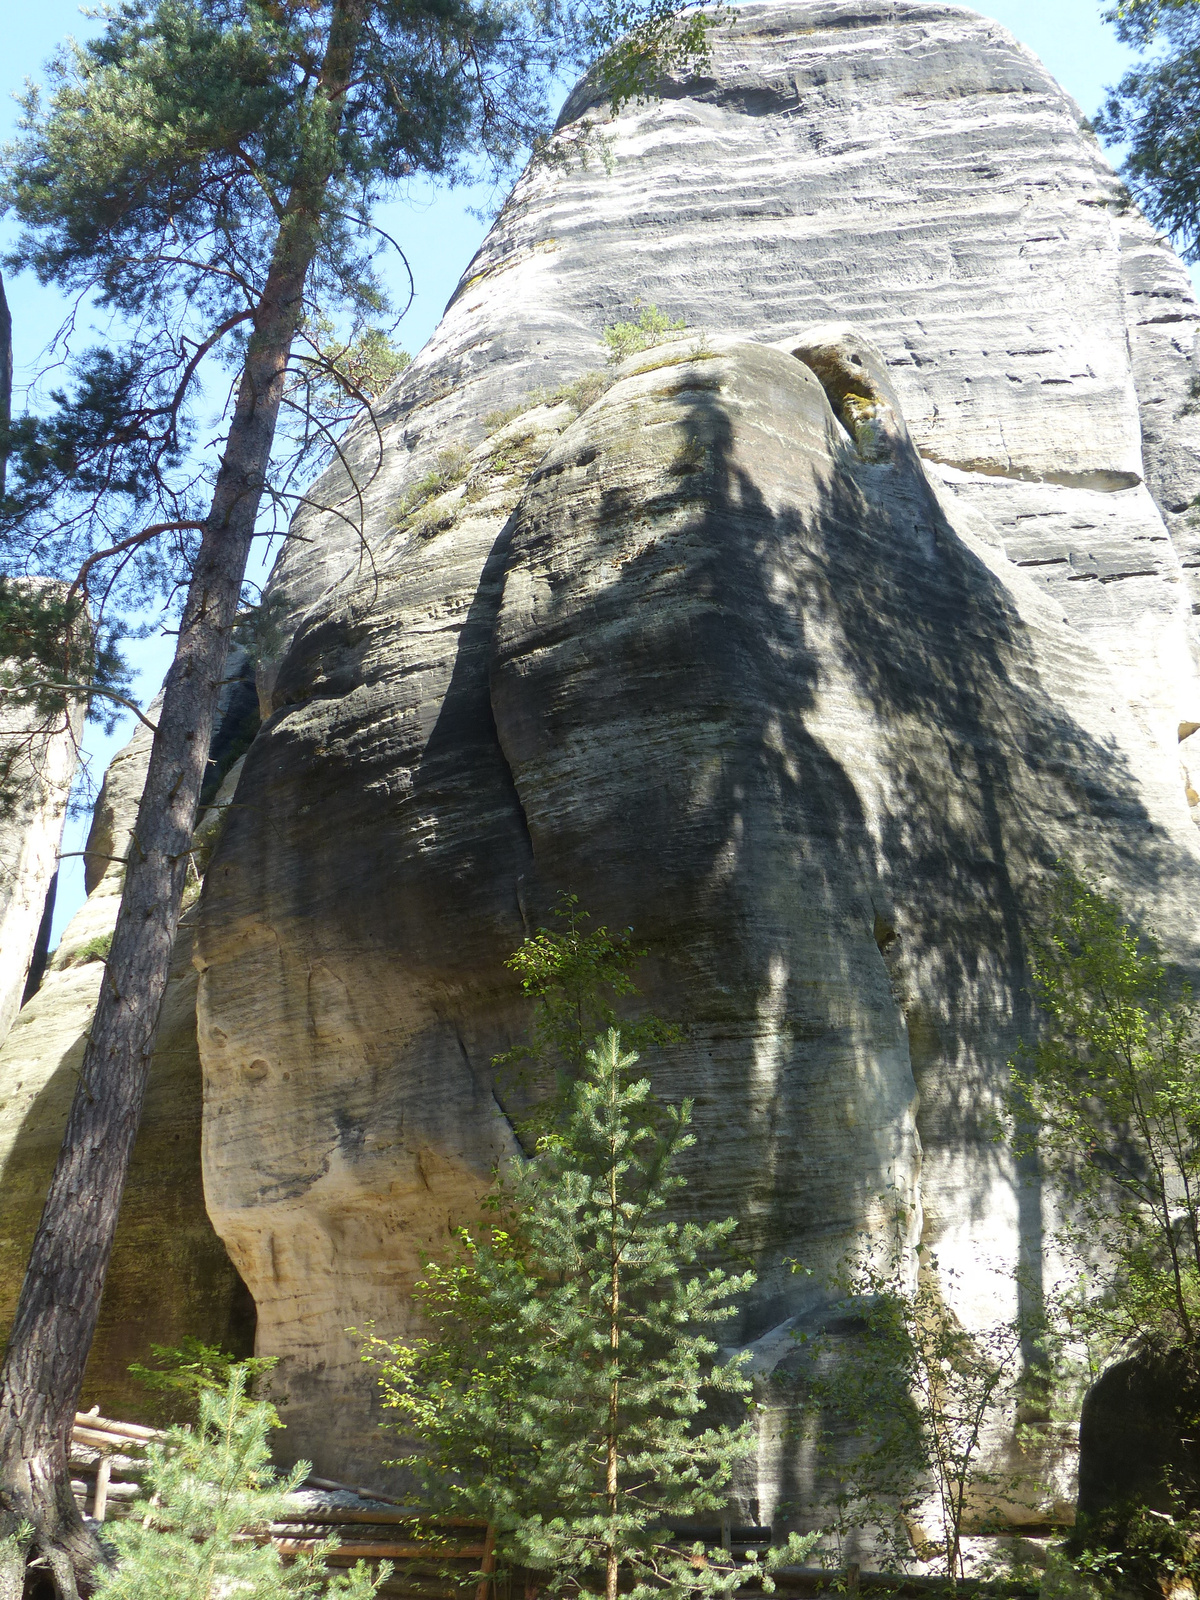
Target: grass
pixel 94 950
pixel 579 394
pixel 450 468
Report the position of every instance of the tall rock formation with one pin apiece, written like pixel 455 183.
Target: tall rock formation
pixel 805 649
pixel 170 1276
pixel 38 758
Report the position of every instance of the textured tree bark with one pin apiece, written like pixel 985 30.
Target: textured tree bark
pixel 612 1564
pixel 56 1315
pixel 6 371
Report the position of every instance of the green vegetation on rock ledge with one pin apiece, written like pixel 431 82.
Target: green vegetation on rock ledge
pixel 94 950
pixel 651 327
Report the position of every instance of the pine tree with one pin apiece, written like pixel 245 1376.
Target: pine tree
pixel 562 1390
pixel 1152 113
pixel 201 1534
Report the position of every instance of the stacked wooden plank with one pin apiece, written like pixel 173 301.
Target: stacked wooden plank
pixel 107 1455
pixel 439 1560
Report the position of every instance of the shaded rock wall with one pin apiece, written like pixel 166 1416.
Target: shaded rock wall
pixel 812 705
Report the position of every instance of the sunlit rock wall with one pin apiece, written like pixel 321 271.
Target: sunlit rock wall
pixel 38 757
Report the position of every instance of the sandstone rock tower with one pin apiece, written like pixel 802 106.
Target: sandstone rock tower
pixel 805 649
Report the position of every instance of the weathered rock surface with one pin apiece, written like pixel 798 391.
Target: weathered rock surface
pixel 170 1275
pixel 1137 1439
pixel 805 651
pixel 39 759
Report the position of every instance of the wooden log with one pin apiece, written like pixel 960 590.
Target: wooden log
pixel 347 1488
pixel 414 1589
pixel 382 1551
pixel 100 1501
pixel 98 1439
pixel 124 1430
pixel 821 1579
pixel 388 1519
pixel 489 1563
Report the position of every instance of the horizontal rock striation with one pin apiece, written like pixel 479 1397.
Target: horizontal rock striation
pixel 805 649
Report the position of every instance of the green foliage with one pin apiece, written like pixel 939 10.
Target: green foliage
pixel 902 1405
pixel 200 1532
pixel 1132 1549
pixel 626 338
pixel 364 367
pixel 1110 1099
pixel 94 950
pixel 573 976
pixel 579 394
pixel 154 182
pixel 560 1393
pixel 450 468
pixel 334 375
pixel 1155 111
pixel 183 1372
pixel 646 42
pixel 1138 21
pixel 259 628
pixel 582 392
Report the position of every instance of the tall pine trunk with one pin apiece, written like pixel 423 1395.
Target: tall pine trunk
pixel 52 1332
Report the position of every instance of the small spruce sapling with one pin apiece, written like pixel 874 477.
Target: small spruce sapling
pixel 561 1392
pixel 201 1532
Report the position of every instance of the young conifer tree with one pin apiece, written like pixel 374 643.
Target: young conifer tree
pixel 200 1532
pixel 561 1393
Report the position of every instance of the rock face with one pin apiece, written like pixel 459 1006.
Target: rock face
pixel 170 1275
pixel 806 648
pixel 37 763
pixel 1137 1439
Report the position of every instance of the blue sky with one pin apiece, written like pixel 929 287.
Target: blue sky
pixel 439 236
